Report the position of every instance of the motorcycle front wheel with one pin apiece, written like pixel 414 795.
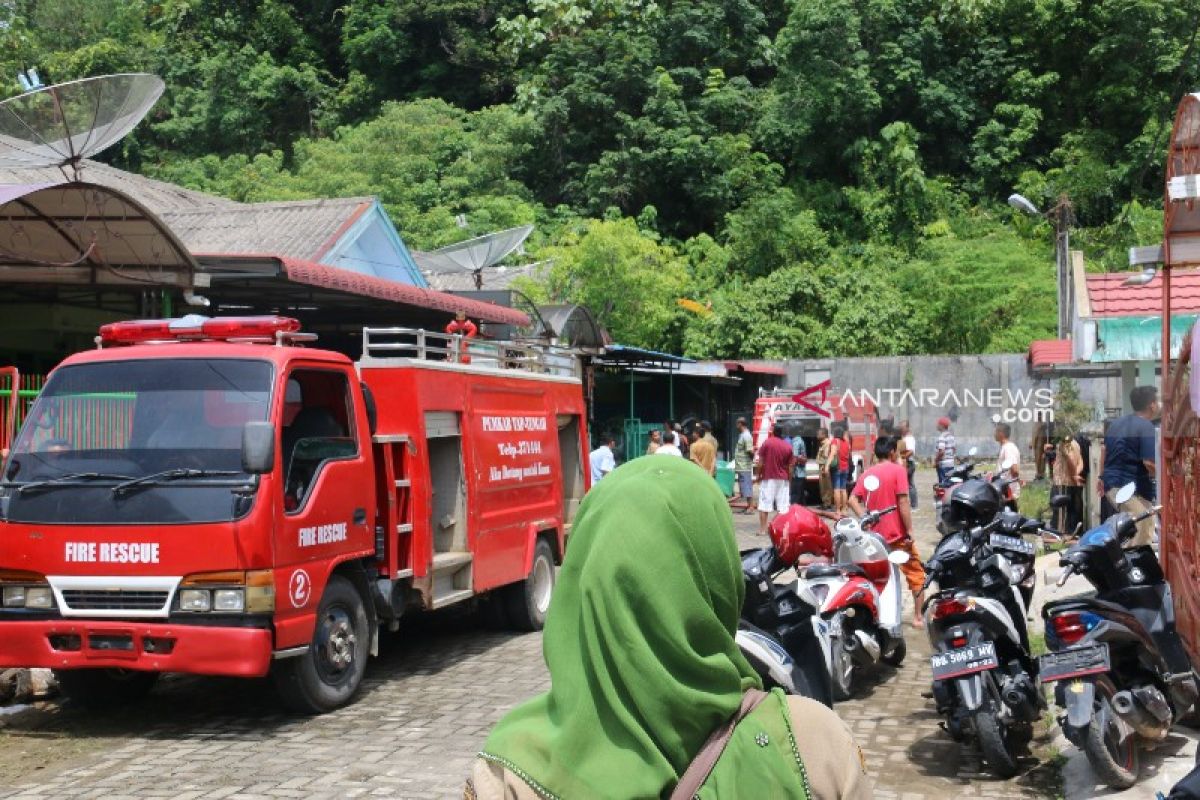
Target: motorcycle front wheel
pixel 843 670
pixel 1115 762
pixel 997 746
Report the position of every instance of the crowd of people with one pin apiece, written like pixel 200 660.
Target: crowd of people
pixel 672 697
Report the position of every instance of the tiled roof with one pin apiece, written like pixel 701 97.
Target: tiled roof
pixel 301 229
pixel 1109 296
pixel 1048 352
pixel 344 280
pixel 156 196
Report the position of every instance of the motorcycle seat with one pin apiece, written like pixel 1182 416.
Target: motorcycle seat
pixel 833 570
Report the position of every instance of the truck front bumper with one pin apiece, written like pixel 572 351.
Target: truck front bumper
pixel 156 647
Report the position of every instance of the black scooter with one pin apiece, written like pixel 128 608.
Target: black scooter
pixel 780 633
pixel 1119 667
pixel 985 680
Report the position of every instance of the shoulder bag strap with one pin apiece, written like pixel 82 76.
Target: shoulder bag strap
pixel 698 771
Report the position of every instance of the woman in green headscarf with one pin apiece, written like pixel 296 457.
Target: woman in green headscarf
pixel 639 642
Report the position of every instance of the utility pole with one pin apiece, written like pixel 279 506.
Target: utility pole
pixel 1063 219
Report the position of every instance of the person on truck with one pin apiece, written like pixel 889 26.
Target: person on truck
pixel 461 326
pixel 644 667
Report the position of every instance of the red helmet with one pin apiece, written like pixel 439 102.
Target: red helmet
pixel 798 530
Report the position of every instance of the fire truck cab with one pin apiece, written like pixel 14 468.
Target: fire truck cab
pixel 209 496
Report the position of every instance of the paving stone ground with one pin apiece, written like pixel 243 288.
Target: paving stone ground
pixel 427 706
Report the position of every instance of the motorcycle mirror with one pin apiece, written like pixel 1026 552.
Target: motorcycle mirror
pixel 871 483
pixel 956 480
pixel 1060 501
pixel 1125 493
pixel 898 557
pixel 973 451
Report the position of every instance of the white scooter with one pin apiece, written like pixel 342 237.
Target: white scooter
pixel 859 597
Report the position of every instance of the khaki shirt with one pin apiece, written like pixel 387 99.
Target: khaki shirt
pixel 1068 465
pixel 705 455
pixel 834 763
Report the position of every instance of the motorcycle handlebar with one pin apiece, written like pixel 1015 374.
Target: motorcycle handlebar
pixel 1150 512
pixel 1066 573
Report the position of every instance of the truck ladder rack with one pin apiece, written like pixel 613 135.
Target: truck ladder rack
pixel 387 344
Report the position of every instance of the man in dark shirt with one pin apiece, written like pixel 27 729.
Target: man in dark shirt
pixel 775 462
pixel 1129 448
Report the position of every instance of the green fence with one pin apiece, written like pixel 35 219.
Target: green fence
pixel 637 437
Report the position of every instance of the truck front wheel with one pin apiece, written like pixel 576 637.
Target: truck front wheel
pixel 331 670
pixel 104 688
pixel 529 600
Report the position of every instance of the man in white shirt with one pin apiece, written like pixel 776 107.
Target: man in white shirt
pixel 1008 465
pixel 602 458
pixel 670 445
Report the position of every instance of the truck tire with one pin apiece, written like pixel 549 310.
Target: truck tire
pixel 104 688
pixel 1114 763
pixel 995 743
pixel 529 600
pixel 331 670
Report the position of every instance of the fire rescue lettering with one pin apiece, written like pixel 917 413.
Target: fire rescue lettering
pixel 323 534
pixel 507 424
pixel 112 552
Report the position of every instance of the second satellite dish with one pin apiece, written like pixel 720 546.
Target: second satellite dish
pixel 59 125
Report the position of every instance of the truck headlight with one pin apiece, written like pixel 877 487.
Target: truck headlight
pixel 229 600
pixel 39 597
pixel 195 600
pixel 230 592
pixel 14 596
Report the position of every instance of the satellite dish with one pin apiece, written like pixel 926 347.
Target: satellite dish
pixel 59 125
pixel 474 255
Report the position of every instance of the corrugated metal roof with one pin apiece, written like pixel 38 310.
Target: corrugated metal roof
pixel 1138 338
pixel 1048 352
pixel 757 368
pixel 157 196
pixel 327 277
pixel 301 229
pixel 1109 296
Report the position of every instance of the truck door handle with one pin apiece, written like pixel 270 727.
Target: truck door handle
pixel 360 516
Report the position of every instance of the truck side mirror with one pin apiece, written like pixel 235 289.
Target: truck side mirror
pixel 258 447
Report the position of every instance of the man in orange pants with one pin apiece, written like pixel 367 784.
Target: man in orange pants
pixel 895 527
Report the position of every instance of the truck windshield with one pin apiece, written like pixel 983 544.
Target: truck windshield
pixel 172 428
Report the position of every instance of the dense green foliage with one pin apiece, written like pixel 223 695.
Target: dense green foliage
pixel 827 176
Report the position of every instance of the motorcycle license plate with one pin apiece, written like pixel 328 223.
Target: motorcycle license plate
pixel 964 661
pixel 1013 544
pixel 1090 659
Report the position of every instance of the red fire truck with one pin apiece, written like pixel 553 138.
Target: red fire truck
pixel 209 496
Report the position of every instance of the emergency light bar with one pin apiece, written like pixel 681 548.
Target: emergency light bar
pixel 195 327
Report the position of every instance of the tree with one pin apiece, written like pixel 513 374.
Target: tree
pixel 628 280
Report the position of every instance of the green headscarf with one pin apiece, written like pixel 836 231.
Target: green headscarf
pixel 639 640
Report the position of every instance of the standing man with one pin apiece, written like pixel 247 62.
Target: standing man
pixel 1129 452
pixel 947 449
pixel 823 446
pixel 840 469
pixel 1039 448
pixel 461 326
pixel 1008 464
pixel 908 459
pixel 896 527
pixel 655 441
pixel 775 462
pixel 799 489
pixel 743 462
pixel 702 454
pixel 706 426
pixel 669 446
pixel 602 459
pixel 1066 472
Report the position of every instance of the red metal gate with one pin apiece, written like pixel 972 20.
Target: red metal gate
pixel 1179 489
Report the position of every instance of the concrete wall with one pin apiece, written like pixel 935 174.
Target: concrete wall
pixel 947 382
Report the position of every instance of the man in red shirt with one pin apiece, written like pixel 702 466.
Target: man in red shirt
pixel 775 464
pixel 895 527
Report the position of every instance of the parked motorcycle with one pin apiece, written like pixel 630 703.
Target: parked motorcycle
pixel 1119 667
pixel 780 632
pixel 985 682
pixel 942 489
pixel 859 595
